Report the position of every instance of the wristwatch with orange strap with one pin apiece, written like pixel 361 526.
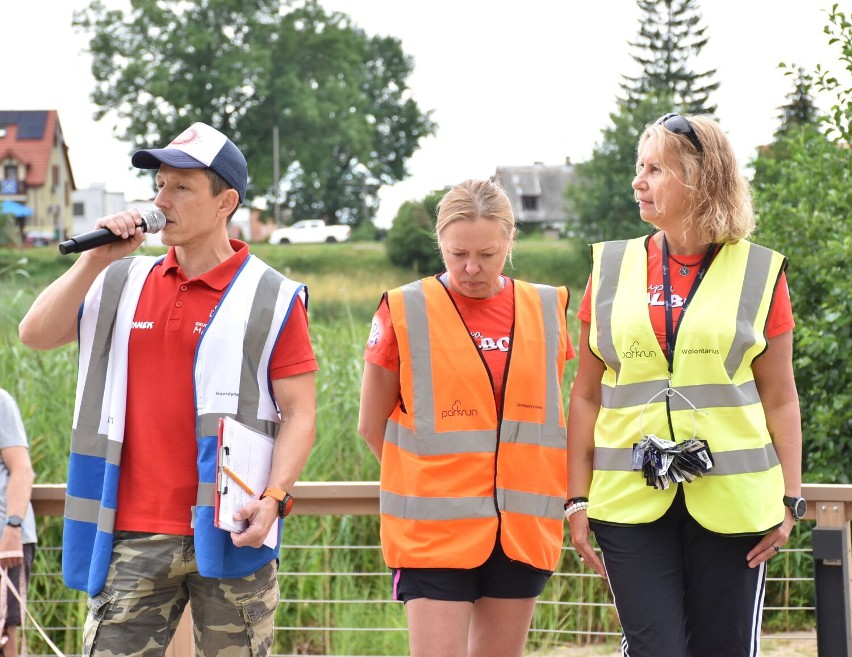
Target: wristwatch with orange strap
pixel 285 500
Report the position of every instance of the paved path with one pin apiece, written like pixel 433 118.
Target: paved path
pixel 795 644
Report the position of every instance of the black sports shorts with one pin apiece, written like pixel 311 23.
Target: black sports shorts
pixel 498 577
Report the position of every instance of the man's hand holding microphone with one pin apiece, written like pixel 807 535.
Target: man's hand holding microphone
pixel 52 320
pixel 121 227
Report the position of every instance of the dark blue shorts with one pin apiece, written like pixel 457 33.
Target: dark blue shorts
pixel 498 577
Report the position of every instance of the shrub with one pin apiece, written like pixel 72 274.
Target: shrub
pixel 411 242
pixel 9 231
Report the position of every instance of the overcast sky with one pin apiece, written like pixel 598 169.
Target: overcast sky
pixel 508 82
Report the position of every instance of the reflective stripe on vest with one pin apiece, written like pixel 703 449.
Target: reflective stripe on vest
pixel 255 306
pixel 441 461
pixel 721 334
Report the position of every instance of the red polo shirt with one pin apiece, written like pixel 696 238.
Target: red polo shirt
pixel 159 477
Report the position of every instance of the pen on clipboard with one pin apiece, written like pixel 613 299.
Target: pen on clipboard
pixel 238 481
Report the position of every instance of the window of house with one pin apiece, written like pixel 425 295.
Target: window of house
pixel 9 184
pixel 529 202
pixel 79 209
pixel 55 176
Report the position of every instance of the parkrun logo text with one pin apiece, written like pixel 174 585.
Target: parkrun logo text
pixel 458 411
pixel 636 352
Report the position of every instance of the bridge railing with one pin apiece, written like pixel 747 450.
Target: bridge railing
pixel 829 506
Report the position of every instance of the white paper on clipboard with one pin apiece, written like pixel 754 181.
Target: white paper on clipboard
pixel 248 455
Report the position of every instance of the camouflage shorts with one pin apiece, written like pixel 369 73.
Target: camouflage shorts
pixel 151 577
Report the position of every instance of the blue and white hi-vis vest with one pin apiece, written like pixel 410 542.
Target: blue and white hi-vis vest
pixel 231 375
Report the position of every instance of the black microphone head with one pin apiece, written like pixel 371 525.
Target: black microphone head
pixel 154 220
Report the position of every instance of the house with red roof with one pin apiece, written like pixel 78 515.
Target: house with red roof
pixel 35 170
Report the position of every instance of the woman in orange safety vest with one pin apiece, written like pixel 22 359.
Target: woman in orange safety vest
pixel 461 403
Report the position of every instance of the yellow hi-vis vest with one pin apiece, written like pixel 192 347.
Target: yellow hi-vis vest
pixel 719 337
pixel 456 470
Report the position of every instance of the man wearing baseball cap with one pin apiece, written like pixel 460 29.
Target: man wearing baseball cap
pixel 168 346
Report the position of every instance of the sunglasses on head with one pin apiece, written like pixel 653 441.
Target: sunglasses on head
pixel 680 125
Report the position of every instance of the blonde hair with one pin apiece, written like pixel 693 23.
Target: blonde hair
pixel 719 205
pixel 472 199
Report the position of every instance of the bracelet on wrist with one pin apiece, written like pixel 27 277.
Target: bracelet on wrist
pixel 575 500
pixel 577 506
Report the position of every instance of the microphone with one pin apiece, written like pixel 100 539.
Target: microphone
pixel 152 222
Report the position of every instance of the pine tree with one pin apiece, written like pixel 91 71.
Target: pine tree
pixel 800 109
pixel 670 35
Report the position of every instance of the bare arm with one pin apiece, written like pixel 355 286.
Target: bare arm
pixel 296 397
pixel 776 386
pixel 379 394
pixel 52 319
pixel 582 414
pixel 18 492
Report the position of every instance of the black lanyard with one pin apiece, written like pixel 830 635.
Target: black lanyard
pixel 671 333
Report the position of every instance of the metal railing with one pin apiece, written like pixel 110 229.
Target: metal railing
pixel 829 506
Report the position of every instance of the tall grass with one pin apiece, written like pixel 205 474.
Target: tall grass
pixel 43 384
pixel 345 283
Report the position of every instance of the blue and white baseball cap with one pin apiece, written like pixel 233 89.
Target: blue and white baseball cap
pixel 200 147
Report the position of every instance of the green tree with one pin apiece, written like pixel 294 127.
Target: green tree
pixel 669 36
pixel 803 200
pixel 839 119
pixel 411 239
pixel 602 195
pixel 340 98
pixel 803 197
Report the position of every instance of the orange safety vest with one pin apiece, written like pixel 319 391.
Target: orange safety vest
pixel 457 472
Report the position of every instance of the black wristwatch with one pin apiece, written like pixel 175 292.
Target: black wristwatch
pixel 797 505
pixel 14 521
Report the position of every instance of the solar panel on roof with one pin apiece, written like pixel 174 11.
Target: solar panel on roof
pixel 31 124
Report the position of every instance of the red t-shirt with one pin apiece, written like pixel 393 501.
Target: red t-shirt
pixel 488 320
pixel 780 314
pixel 159 476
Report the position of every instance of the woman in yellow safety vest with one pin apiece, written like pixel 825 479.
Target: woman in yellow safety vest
pixel 461 404
pixel 684 428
